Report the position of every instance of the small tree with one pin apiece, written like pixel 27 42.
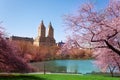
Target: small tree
pixel 107 60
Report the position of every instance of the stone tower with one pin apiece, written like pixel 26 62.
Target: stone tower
pixel 50 31
pixel 41 30
pixel 50 37
pixel 41 39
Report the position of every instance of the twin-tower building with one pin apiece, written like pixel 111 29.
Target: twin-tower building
pixel 42 38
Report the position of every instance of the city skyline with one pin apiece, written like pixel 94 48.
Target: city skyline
pixel 22 17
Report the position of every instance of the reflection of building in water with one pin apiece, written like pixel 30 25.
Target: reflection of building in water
pixel 72 68
pixel 41 38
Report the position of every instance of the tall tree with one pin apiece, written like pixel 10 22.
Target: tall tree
pixel 100 28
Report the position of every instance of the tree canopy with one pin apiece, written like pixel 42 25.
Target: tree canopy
pixel 99 28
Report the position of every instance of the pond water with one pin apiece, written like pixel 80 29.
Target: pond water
pixel 67 66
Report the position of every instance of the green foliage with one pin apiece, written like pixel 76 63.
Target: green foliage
pixel 57 77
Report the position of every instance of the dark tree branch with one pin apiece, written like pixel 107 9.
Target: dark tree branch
pixel 113 48
pixel 101 47
pixel 118 44
pixel 110 36
pixel 92 39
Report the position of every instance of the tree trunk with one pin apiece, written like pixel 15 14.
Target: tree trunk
pixel 44 68
pixel 111 70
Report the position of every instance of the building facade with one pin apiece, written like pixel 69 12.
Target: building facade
pixel 41 38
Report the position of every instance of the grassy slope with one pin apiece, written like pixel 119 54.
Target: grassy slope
pixel 57 77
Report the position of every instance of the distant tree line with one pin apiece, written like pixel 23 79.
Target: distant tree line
pixel 31 53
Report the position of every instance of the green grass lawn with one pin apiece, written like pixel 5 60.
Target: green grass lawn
pixel 56 77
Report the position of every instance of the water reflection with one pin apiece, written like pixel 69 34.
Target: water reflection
pixel 72 68
pixel 67 66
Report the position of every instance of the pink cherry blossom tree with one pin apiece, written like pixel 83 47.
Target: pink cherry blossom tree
pixel 9 61
pixel 99 28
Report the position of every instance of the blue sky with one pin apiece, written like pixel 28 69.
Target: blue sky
pixel 22 17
